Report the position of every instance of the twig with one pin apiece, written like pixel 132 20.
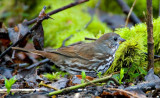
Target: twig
pixel 130 13
pixel 38 63
pixel 78 86
pixel 58 10
pixel 64 41
pixel 20 90
pixel 150 41
pixel 86 38
pixel 155 56
pixel 126 10
pixel 49 86
pixel 121 90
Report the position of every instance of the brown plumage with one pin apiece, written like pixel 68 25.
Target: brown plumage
pixel 87 57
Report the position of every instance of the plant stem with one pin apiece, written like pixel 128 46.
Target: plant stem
pixel 79 86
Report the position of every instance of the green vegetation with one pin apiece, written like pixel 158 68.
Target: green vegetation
pixel 9 83
pixel 121 75
pixel 83 77
pixel 54 76
pixel 130 54
pixel 99 74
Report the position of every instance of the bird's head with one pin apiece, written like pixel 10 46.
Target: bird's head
pixel 110 41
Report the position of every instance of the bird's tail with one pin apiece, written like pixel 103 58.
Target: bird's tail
pixel 52 56
pixel 21 49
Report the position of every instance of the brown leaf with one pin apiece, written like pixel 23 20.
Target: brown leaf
pixel 18 32
pixel 87 77
pixel 4 37
pixel 38 37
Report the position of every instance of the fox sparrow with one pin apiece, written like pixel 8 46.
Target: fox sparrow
pixel 87 57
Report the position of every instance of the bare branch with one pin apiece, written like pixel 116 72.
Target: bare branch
pixel 150 40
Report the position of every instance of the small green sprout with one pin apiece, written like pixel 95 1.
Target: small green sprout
pixel 99 74
pixel 9 83
pixel 121 75
pixel 83 76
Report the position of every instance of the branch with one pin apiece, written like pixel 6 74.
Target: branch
pixel 58 10
pixel 38 63
pixel 150 40
pixel 78 86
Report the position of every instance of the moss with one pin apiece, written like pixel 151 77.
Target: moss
pixel 132 51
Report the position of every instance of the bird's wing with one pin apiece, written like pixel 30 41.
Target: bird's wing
pixel 82 51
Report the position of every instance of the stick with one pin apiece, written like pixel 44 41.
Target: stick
pixel 38 63
pixel 130 12
pixel 47 85
pixel 20 90
pixel 150 41
pixel 78 86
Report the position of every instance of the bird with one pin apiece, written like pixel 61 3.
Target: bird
pixel 90 57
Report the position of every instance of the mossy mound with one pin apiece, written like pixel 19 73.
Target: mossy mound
pixel 131 52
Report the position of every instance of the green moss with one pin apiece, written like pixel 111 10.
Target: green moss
pixel 132 51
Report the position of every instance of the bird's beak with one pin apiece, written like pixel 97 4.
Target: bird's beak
pixel 121 40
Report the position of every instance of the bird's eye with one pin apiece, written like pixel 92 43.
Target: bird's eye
pixel 115 39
